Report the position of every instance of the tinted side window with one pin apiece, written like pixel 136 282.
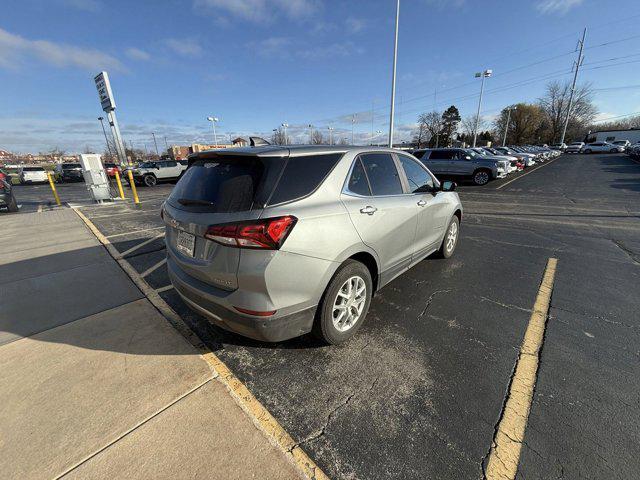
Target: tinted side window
pixel 419 154
pixel 170 164
pixel 358 182
pixel 441 155
pixel 302 175
pixel 382 173
pixel 419 179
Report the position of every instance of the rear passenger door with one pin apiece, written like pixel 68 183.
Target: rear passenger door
pixel 383 215
pixel 439 161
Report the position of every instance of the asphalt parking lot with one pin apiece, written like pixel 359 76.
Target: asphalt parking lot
pixel 419 391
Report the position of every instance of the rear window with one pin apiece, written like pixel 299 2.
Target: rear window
pixel 70 165
pixel 302 175
pixel 33 169
pixel 219 185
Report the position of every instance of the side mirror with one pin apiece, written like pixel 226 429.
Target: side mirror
pixel 448 186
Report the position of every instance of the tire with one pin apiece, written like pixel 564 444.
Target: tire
pixel 149 180
pixel 351 274
pixel 613 150
pixel 448 248
pixel 588 150
pixel 481 177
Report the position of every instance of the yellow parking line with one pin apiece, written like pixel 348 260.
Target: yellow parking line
pixel 260 416
pixel 527 173
pixel 507 443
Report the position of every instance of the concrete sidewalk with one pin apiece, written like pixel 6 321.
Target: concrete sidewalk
pixel 94 382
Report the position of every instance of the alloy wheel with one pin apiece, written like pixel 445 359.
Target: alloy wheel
pixel 349 303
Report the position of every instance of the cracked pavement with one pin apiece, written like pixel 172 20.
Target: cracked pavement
pixel 418 392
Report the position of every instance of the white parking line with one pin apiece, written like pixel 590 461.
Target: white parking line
pixel 140 245
pixel 153 268
pixel 133 231
pixel 527 173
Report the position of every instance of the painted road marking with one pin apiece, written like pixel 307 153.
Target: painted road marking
pixel 507 443
pixel 134 231
pixel 153 268
pixel 166 288
pixel 260 416
pixel 140 245
pixel 40 208
pixel 548 162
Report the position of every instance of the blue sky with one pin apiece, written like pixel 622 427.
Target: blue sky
pixel 258 63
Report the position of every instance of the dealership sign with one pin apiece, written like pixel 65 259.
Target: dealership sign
pixel 104 92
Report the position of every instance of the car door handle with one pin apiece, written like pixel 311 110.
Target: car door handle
pixel 422 203
pixel 369 210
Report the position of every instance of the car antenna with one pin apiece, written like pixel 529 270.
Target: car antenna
pixel 257 142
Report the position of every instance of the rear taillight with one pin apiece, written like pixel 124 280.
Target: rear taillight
pixel 268 233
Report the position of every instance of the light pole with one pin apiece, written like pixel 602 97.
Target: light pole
pixel 286 140
pixel 378 132
pixel 393 77
pixel 506 128
pixel 310 134
pixel 105 136
pixel 330 135
pixel 573 85
pixel 487 73
pixel 155 143
pixel 353 121
pixel 213 121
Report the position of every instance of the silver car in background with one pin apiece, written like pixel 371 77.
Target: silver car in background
pixel 273 242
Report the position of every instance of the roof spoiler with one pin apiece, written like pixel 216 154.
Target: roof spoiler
pixel 257 142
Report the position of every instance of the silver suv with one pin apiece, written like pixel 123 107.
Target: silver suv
pixel 150 173
pixel 463 162
pixel 273 242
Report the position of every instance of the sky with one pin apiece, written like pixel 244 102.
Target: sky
pixel 255 64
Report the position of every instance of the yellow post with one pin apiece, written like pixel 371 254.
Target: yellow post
pixel 133 187
pixel 53 188
pixel 119 184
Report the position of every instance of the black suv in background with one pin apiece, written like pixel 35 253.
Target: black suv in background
pixel 68 172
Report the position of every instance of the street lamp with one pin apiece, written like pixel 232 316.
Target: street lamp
pixel 378 132
pixel 393 77
pixel 506 127
pixel 105 137
pixel 353 121
pixel 330 135
pixel 155 143
pixel 285 125
pixel 213 121
pixel 310 134
pixel 486 74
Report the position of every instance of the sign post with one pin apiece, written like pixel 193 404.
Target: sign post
pixel 108 104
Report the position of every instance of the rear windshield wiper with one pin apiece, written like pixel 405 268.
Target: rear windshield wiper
pixel 194 201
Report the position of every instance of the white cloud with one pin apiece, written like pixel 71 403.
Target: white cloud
pixel 446 3
pixel 16 50
pixel 85 5
pixel 187 47
pixel 137 54
pixel 604 116
pixel 261 10
pixel 355 25
pixel 557 6
pixel 286 48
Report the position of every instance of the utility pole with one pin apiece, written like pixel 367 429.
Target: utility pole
pixel 155 143
pixel 485 74
pixel 105 137
pixel 506 128
pixel 573 85
pixel 166 145
pixel 286 140
pixel 373 102
pixel 213 121
pixel 393 77
pixel 330 135
pixel 353 121
pixel 310 134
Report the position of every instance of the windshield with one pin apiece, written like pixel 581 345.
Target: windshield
pixel 68 166
pixel 471 152
pixel 147 165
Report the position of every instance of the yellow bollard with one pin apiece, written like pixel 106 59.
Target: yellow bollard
pixel 133 188
pixel 53 188
pixel 119 185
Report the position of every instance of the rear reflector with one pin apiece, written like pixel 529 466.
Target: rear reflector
pixel 255 313
pixel 268 233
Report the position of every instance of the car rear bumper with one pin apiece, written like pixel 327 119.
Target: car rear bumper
pixel 212 303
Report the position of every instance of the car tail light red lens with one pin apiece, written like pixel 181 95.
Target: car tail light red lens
pixel 255 313
pixel 268 233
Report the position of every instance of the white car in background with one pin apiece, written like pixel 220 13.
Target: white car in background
pixel 602 147
pixel 575 147
pixel 622 143
pixel 32 175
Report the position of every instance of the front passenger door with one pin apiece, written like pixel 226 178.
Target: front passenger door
pixel 383 215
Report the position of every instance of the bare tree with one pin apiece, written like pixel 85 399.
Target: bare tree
pixel 622 124
pixel 278 137
pixel 555 104
pixel 317 138
pixel 468 126
pixel 343 141
pixel 429 128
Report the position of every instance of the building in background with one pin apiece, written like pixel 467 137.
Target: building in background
pixel 631 134
pixel 180 152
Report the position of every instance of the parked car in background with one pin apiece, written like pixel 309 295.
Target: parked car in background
pixel 150 173
pixel 32 175
pixel 602 147
pixel 5 176
pixel 622 143
pixel 462 162
pixel 559 146
pixel 529 159
pixel 273 242
pixel 574 147
pixel 68 172
pixel 7 199
pixel 111 169
pixel 513 162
